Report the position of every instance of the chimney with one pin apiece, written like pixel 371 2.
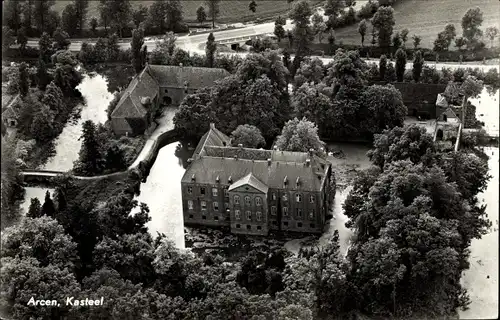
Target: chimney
pixel 268 161
pixel 311 152
pixel 308 162
pixel 193 178
pixel 217 179
pixel 212 125
pixel 180 64
pixel 230 179
pixel 285 181
pixel 240 146
pixel 275 148
pixel 297 182
pixel 235 157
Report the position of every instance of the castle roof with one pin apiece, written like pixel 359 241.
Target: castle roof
pixel 213 163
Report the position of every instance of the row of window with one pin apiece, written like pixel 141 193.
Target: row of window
pixel 258 200
pixel 216 218
pixel 258 215
pixel 215 206
pixel 285 223
pixel 249 227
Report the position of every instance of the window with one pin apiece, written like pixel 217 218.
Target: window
pixel 216 218
pixel 190 204
pixel 258 201
pixel 236 199
pixel 214 192
pixel 285 223
pixel 299 212
pixel 298 197
pixel 273 210
pixel 204 217
pixel 247 200
pixel 285 211
pixel 166 90
pixel 249 227
pixel 258 215
pixel 237 215
pixel 227 219
pixel 190 216
pixel 311 198
pixel 249 215
pixel 190 190
pixel 202 190
pixel 285 197
pixel 203 205
pixel 226 193
pixel 238 226
pixel 274 196
pixel 216 206
pixel 259 228
pixel 275 223
pixel 226 205
pixel 311 214
pixel 312 225
pixel 299 224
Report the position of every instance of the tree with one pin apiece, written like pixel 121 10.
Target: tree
pixel 382 67
pixel 93 24
pixel 390 73
pixel 491 33
pixel 383 22
pixel 213 10
pixel 201 15
pixel 117 12
pixel 41 12
pixel 8 37
pixel 110 46
pixel 61 39
pixel 333 8
pixel 252 6
pixel 81 7
pixel 302 32
pixel 396 41
pixel 53 98
pixel 311 70
pixel 173 15
pixel 91 160
pixel 24 80
pixel 460 42
pixel 444 39
pixel 194 114
pixel 247 135
pixel 299 135
pixel 471 23
pixel 404 36
pixel 12 14
pixel 362 30
pixel 279 31
pixel 210 50
pixel 139 15
pixel 69 19
pixel 470 88
pixel 48 207
pixel 318 26
pixel 416 41
pixel 384 108
pixel 35 209
pixel 157 14
pixel 22 39
pixel 418 63
pixel 45 47
pixel 136 44
pixel 400 64
pixel 42 127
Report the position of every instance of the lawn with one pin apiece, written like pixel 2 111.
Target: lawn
pixel 231 11
pixel 427 18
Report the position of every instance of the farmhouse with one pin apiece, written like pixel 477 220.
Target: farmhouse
pixel 154 87
pixel 10 112
pixel 254 191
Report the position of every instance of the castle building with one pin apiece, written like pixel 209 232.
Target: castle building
pixel 255 191
pixel 156 86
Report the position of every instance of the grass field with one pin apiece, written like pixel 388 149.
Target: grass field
pixel 427 18
pixel 231 11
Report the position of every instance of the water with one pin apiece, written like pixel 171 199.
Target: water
pixel 162 193
pixel 97 98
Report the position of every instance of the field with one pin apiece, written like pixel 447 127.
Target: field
pixel 427 18
pixel 231 11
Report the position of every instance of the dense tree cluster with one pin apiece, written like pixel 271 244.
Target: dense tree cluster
pixel 256 95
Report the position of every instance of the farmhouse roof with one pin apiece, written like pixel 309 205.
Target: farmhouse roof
pixel 213 137
pixel 416 93
pixel 130 104
pixel 195 77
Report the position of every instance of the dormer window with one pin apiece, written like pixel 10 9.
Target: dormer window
pixel 230 179
pixel 217 179
pixel 285 181
pixel 193 178
pixel 297 182
pixel 298 197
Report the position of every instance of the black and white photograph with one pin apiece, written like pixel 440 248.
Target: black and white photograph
pixel 250 159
